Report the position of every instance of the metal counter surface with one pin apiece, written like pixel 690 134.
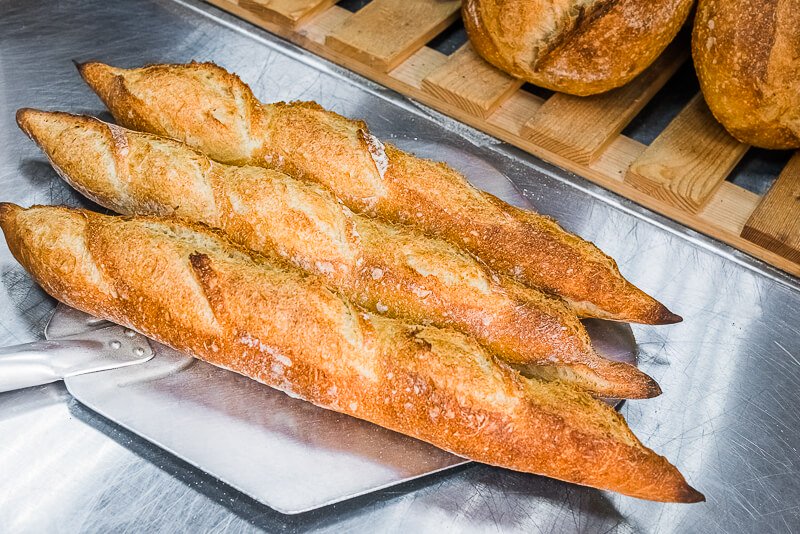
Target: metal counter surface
pixel 729 417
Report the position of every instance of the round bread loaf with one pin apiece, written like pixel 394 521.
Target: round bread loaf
pixel 747 57
pixel 581 47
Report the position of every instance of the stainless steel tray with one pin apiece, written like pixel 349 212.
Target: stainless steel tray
pixel 730 372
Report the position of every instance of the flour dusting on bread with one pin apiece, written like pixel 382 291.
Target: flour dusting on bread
pixel 377 151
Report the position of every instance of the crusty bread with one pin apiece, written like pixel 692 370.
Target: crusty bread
pixel 189 288
pixel 580 47
pixel 392 270
pixel 747 57
pixel 214 111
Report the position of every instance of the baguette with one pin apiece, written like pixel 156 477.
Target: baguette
pixel 747 57
pixel 189 288
pixel 214 111
pixel 580 47
pixel 384 268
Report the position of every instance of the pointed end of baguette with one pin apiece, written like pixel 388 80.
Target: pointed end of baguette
pixel 662 315
pixel 24 117
pixel 671 318
pixel 7 212
pixel 99 77
pixel 37 123
pixel 646 310
pixel 44 127
pixel 84 67
pixel 643 385
pixel 690 495
pixel 624 381
pixel 601 377
pixel 8 219
pixel 670 486
pixel 659 480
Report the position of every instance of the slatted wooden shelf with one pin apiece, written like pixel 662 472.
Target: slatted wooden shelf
pixel 681 174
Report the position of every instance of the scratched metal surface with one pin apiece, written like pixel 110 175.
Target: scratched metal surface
pixel 728 417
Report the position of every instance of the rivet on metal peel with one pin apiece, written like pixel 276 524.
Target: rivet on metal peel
pixel 115 344
pixel 129 332
pixel 139 351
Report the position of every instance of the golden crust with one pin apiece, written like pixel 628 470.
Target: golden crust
pixel 215 112
pixel 187 287
pixel 392 270
pixel 580 47
pixel 747 57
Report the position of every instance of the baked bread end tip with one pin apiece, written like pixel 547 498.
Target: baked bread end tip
pixel 7 213
pixel 660 314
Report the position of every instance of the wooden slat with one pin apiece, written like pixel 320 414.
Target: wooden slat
pixel 386 32
pixel 313 34
pixel 469 82
pixel 775 223
pixel 729 208
pixel 688 162
pixel 508 119
pixel 579 128
pixel 419 66
pixel 290 13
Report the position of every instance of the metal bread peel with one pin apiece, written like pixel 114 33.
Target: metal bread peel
pixel 74 345
pixel 283 452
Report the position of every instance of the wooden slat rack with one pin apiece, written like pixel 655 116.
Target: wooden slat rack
pixel 681 174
